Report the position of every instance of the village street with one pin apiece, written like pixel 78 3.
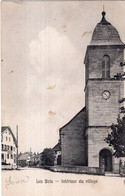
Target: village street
pixel 40 182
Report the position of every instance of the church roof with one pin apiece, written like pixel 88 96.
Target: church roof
pixel 105 34
pixel 57 147
pixel 77 122
pixel 24 156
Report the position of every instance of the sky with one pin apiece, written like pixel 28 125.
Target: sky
pixel 43 50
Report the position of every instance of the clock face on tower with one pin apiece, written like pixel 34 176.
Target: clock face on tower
pixel 106 94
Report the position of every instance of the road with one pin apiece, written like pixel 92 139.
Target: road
pixel 40 182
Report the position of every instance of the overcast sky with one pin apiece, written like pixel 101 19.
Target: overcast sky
pixel 43 49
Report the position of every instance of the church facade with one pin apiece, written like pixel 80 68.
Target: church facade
pixel 82 139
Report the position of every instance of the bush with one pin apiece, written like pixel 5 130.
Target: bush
pixel 47 157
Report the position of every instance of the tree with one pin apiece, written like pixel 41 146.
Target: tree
pixel 47 157
pixel 117 137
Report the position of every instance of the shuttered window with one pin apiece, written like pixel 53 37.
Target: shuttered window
pixel 106 67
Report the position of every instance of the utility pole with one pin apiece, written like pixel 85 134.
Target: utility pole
pixel 17 144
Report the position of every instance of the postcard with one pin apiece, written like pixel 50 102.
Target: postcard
pixel 63 111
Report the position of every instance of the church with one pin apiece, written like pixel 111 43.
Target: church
pixel 82 140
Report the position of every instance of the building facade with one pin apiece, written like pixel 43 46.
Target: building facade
pixel 8 146
pixel 24 159
pixel 57 152
pixel 83 138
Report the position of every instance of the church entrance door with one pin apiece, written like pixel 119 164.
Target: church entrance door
pixel 105 159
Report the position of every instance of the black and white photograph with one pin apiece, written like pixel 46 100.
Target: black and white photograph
pixel 63 98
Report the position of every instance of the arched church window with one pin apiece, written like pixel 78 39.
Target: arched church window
pixel 106 66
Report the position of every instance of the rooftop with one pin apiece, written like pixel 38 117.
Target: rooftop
pixel 57 147
pixel 105 34
pixel 8 128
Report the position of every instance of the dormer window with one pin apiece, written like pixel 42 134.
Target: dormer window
pixel 106 67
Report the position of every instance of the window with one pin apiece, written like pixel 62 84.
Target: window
pixel 7 147
pixel 6 138
pixel 9 139
pixel 11 156
pixel 7 156
pixel 106 67
pixel 11 147
pixel 2 156
pixel 1 138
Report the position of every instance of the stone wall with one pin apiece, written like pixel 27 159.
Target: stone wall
pixel 103 112
pixel 95 144
pixel 77 169
pixel 122 169
pixel 95 56
pixel 73 141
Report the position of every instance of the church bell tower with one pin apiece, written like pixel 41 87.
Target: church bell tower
pixel 103 92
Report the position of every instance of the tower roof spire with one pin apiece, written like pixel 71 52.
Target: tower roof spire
pixel 105 34
pixel 103 8
pixel 104 21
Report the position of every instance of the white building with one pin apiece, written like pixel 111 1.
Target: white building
pixel 8 146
